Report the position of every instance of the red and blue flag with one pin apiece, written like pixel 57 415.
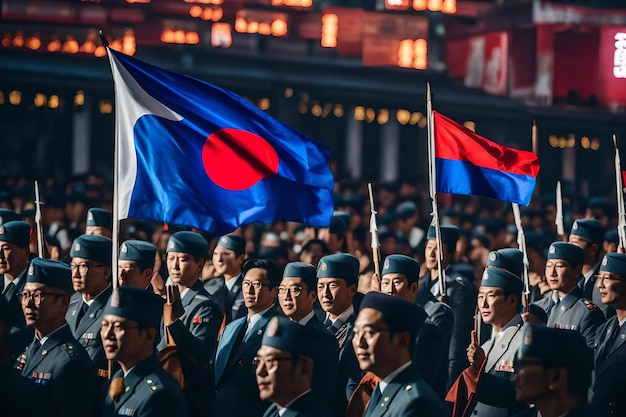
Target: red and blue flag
pixel 194 154
pixel 467 163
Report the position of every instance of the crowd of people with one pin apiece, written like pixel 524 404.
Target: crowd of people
pixel 291 320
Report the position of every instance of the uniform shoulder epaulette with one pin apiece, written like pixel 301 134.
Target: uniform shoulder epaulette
pixel 153 383
pixel 69 349
pixel 589 304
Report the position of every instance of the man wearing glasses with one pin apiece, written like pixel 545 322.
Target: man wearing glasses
pixel 296 295
pixel 237 393
pixel 553 372
pixel 130 325
pixel 91 279
pixel 55 372
pixel 610 350
pixel 285 364
pixel 566 307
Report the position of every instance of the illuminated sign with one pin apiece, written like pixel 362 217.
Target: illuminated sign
pixel 261 22
pixel 619 56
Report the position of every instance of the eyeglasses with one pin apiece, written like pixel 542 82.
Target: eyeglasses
pixel 367 333
pixel 83 268
pixel 295 290
pixel 256 284
pixel 269 362
pixel 37 296
pixel 118 329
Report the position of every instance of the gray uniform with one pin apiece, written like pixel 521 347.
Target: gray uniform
pixel 496 394
pixel 575 313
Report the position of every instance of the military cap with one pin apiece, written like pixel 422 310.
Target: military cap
pixel 7 215
pixel 615 263
pixel 556 347
pixel 16 232
pixel 289 336
pixel 139 251
pixel 402 264
pixel 509 259
pixel 54 274
pixel 395 311
pixel 188 242
pixel 339 265
pixel 93 247
pixel 449 235
pixel 233 242
pixel 611 236
pixel 337 226
pixel 136 304
pixel 100 217
pixel 405 210
pixel 496 277
pixel 589 229
pixel 567 252
pixel 301 270
pixel 344 216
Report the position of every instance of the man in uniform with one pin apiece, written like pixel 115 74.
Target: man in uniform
pixel 91 272
pixel 383 342
pixel 135 264
pixel 610 350
pixel 588 234
pixel 99 222
pixel 55 372
pixel 237 392
pixel 566 308
pixel 400 276
pixel 553 372
pixel 285 365
pixel 460 294
pixel 228 258
pixel 337 277
pixel 7 215
pixel 297 293
pixel 191 318
pixel 499 303
pixel 130 326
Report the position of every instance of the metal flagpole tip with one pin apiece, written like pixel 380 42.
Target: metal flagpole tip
pixel 103 39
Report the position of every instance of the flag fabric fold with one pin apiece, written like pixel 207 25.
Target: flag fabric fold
pixel 467 163
pixel 194 154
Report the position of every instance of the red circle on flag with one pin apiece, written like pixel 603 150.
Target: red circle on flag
pixel 236 160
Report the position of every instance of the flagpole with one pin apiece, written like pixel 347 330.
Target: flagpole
pixel 558 220
pixel 621 212
pixel 433 189
pixel 521 243
pixel 374 231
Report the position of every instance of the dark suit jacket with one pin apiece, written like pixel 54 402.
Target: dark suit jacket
pixel 16 317
pixel 326 361
pixel 407 395
pixel 87 330
pixel 582 410
pixel 231 301
pixel 237 393
pixel 150 392
pixel 308 405
pixel 58 377
pixel 610 371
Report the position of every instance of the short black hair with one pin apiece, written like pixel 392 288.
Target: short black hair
pixel 271 270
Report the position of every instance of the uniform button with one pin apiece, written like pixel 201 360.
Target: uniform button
pixel 91 316
pixel 149 381
pixel 44 352
pixel 126 389
pixel 153 388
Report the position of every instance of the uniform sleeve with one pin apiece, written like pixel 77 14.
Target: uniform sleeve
pixel 428 353
pixel 75 389
pixel 443 318
pixel 593 319
pixel 199 338
pixel 18 394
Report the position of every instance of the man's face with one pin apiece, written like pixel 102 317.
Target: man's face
pixel 52 305
pixel 530 380
pixel 88 276
pixel 122 339
pixel 129 273
pixel 335 295
pixel 398 285
pixel 13 259
pixel 183 268
pixel 561 275
pixel 295 298
pixel 430 254
pixel 612 289
pixel 226 261
pixel 493 307
pixel 312 255
pixel 582 243
pixel 98 230
pixel 372 344
pixel 275 375
pixel 257 295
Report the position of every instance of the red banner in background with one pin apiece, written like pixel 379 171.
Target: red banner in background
pixel 612 67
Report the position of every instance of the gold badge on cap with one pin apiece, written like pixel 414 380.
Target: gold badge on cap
pixel 528 336
pixel 485 275
pixel 552 249
pixel 492 256
pixel 171 245
pixel 224 240
pixel 575 226
pixel 31 270
pixel 124 248
pixel 324 267
pixel 386 264
pixel 605 260
pixel 77 247
pixel 90 216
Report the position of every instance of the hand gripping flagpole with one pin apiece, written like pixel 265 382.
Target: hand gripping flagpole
pixel 433 190
pixel 621 212
pixel 41 238
pixel 521 243
pixel 374 231
pixel 558 220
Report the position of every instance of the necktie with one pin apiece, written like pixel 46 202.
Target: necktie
pixel 328 323
pixel 9 290
pixel 555 303
pixel 588 289
pixel 238 340
pixel 35 347
pixel 374 401
pixel 81 312
pixel 116 389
